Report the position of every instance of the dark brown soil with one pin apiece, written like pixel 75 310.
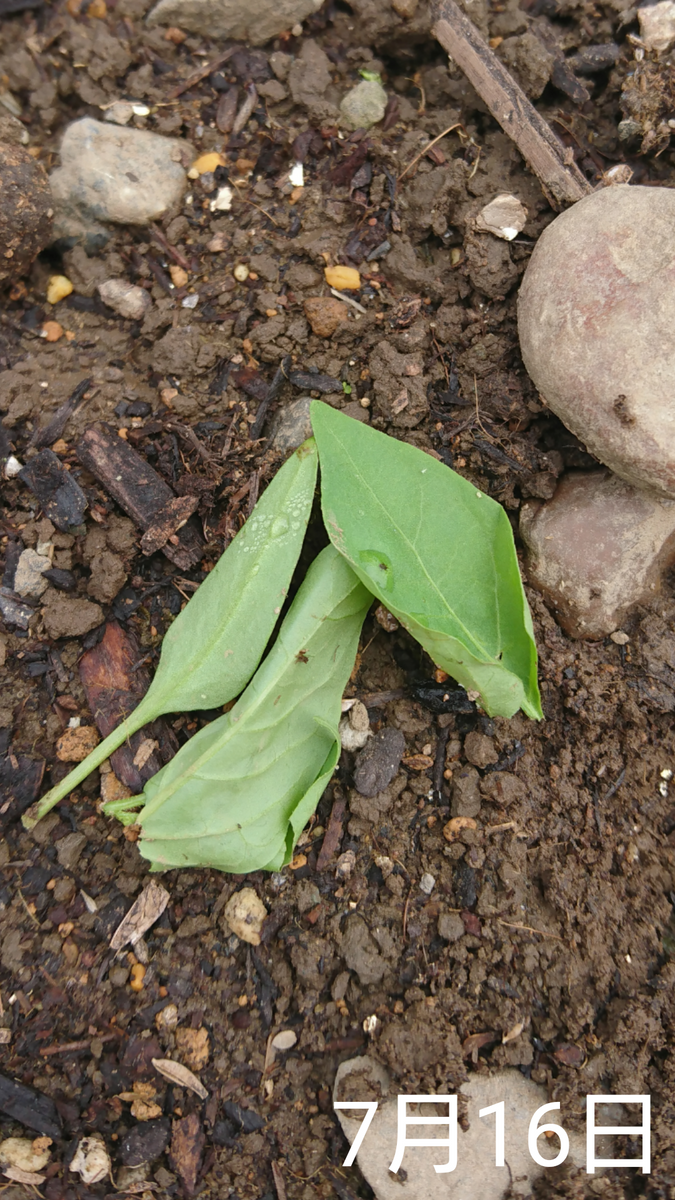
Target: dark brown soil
pixel 564 888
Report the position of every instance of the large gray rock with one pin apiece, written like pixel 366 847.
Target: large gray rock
pixel 596 313
pixel 475 1177
pixel 255 21
pixel 111 173
pixel 596 549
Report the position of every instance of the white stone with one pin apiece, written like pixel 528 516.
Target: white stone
pixel 91 1161
pixel 427 883
pixel 255 21
pixel 24 1154
pixel 285 1040
pixel 657 25
pixel 112 173
pixel 28 578
pixel 125 298
pixel 476 1177
pixel 504 216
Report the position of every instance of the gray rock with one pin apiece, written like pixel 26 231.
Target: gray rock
pixel 476 1174
pixel 360 952
pixel 28 578
pixel 291 425
pixel 364 105
pixel 379 762
pixel 595 318
pixel 111 173
pixel 597 549
pixel 255 21
pixel 465 793
pixel 125 298
pixel 450 927
pixel 69 849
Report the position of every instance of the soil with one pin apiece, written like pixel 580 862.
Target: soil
pixel 553 913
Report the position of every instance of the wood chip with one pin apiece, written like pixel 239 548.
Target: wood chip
pixel 178 1074
pixel 169 520
pixel 143 913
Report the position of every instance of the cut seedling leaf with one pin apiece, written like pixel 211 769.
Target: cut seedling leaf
pixel 215 644
pixel 437 552
pixel 238 794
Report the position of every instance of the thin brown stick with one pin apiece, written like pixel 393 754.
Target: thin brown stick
pixel 201 73
pixel 427 148
pixel 562 181
pixel 529 929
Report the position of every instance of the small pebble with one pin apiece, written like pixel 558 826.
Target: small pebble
pixel 206 163
pixel 137 977
pixel 343 278
pixel 325 314
pixel 364 105
pixel 52 331
pixel 58 288
pixel 241 272
pixel 245 913
pixel 427 883
pixel 284 1040
pixel 91 1161
pixel 125 298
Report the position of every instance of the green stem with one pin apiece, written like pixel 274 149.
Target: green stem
pixel 136 720
pixel 125 810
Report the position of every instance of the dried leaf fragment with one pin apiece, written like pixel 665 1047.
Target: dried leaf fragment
pixel 143 913
pixel 180 1075
pixel 17 1175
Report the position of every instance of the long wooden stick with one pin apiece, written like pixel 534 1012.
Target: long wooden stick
pixel 562 182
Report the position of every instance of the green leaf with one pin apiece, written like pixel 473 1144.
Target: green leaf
pixel 238 794
pixel 438 553
pixel 213 647
pixel 371 76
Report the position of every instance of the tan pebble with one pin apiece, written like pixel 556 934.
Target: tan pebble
pixel 179 277
pixel 60 447
pixel 284 1040
pixel 325 314
pixel 245 913
pixel 58 288
pixel 52 331
pixel 137 977
pixel 205 163
pixel 343 278
pixel 218 242
pixel 75 744
pixel 241 272
pixel 454 827
pixel 175 35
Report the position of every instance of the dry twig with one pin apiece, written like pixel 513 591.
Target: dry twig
pixel 562 181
